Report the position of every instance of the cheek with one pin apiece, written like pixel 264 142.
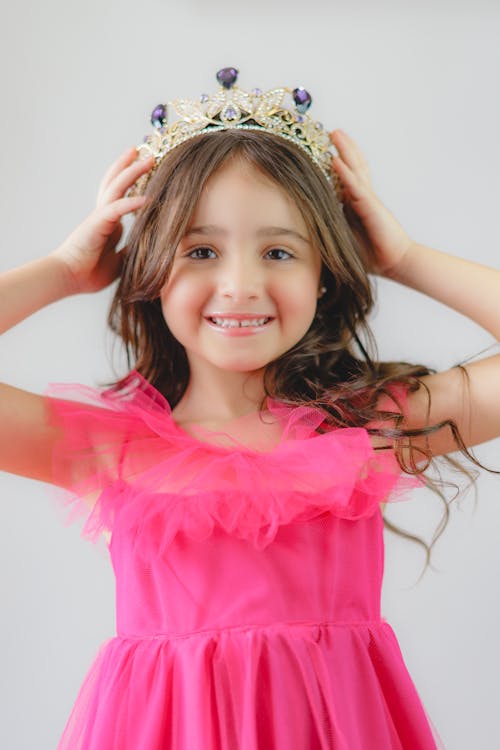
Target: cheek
pixel 182 305
pixel 301 297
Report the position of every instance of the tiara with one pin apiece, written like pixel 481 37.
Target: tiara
pixel 232 107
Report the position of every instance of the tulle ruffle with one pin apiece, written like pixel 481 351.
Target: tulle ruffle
pixel 293 686
pixel 124 462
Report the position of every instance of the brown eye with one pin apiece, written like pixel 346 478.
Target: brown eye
pixel 197 250
pixel 280 250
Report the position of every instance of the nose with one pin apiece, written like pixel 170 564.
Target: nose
pixel 240 278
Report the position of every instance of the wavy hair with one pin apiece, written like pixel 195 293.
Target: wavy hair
pixel 330 367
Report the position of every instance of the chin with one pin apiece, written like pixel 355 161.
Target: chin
pixel 240 366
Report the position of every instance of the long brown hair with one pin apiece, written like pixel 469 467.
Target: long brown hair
pixel 335 365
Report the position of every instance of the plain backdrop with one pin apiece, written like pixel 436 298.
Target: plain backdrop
pixel 416 85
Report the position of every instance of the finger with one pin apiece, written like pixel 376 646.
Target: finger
pixel 350 152
pixel 115 235
pixel 125 158
pixel 347 147
pixel 113 263
pixel 352 156
pixel 111 213
pixel 354 186
pixel 128 173
pixel 123 180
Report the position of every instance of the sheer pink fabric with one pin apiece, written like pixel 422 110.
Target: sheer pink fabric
pixel 248 581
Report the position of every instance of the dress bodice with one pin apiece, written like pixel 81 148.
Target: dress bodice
pixel 327 570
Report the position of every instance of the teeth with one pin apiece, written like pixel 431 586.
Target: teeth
pixel 230 323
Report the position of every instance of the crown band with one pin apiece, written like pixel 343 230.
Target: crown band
pixel 233 108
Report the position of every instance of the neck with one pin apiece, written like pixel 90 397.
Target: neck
pixel 215 395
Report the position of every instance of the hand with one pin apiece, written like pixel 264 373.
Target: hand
pixel 89 251
pixel 382 239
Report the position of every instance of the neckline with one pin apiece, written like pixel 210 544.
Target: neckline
pixel 234 443
pixel 297 422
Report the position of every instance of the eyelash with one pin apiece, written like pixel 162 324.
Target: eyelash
pixel 202 247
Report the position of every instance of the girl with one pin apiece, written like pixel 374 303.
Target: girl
pixel 239 471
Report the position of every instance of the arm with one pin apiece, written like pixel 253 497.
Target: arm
pixel 85 262
pixel 469 288
pixel 474 291
pixel 26 439
pixel 29 288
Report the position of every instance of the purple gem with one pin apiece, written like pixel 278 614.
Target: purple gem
pixel 229 113
pixel 227 77
pixel 159 116
pixel 302 99
pixel 300 118
pixel 256 92
pixel 204 98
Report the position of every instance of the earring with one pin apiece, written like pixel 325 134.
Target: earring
pixel 322 291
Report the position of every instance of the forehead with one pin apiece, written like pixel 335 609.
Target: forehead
pixel 239 191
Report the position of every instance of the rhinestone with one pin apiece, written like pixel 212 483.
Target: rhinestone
pixel 204 98
pixel 302 99
pixel 227 77
pixel 257 92
pixel 159 116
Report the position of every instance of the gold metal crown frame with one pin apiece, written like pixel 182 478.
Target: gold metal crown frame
pixel 232 107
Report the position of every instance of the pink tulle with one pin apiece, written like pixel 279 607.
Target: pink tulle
pixel 248 581
pixel 122 454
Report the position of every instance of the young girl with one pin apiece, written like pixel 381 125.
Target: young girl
pixel 239 471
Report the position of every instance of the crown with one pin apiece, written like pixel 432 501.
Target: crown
pixel 232 107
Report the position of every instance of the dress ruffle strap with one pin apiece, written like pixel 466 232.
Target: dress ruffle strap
pixel 122 459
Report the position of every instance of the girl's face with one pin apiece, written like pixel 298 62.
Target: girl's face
pixel 246 250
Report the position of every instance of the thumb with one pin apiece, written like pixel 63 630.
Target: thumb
pixel 112 263
pixel 116 234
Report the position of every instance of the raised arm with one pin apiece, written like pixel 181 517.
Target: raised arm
pixel 467 287
pixel 85 262
pixel 474 291
pixel 29 288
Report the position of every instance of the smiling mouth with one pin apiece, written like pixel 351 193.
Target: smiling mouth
pixel 231 323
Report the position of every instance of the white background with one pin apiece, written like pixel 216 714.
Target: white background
pixel 417 86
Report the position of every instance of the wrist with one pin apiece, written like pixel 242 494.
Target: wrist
pixel 397 271
pixel 28 288
pixel 66 283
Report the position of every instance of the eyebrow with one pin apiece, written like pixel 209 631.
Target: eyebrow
pixel 262 232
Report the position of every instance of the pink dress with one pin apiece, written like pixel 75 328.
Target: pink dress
pixel 248 582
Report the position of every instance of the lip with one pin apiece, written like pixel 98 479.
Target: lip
pixel 239 316
pixel 237 330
